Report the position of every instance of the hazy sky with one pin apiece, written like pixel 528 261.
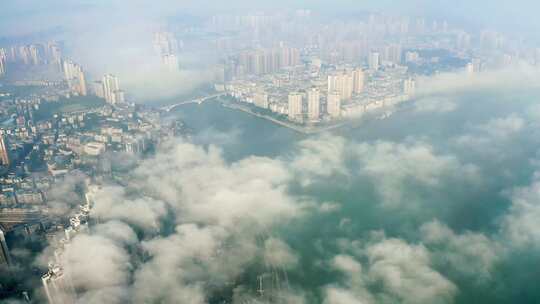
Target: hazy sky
pixel 31 15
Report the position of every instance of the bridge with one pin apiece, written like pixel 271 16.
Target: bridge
pixel 196 100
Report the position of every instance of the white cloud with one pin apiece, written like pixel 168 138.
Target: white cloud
pixel 278 254
pixel 320 158
pixel 95 262
pixel 521 225
pixel 394 168
pixel 450 83
pixel 471 254
pixel 435 105
pixel 395 272
pixel 112 203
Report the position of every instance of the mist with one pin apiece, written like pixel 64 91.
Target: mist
pixel 437 203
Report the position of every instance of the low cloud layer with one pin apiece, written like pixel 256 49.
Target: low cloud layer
pixel 445 212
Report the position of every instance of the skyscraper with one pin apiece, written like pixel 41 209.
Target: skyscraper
pixel 3 62
pixel 392 53
pixel 409 86
pixel 343 83
pixel 111 89
pixel 170 61
pixel 4 151
pixel 5 257
pixel 295 106
pixel 75 78
pixel 24 54
pixel 358 81
pixel 97 89
pixel 55 54
pixel 165 43
pixel 374 61
pixel 36 54
pixel 333 106
pixel 314 103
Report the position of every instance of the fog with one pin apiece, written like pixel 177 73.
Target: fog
pixel 439 203
pixel 116 36
pixel 433 213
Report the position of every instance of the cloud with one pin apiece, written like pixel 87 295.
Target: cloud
pixel 278 254
pixel 320 158
pixel 406 274
pixel 335 295
pixel 520 226
pixel 435 105
pixel 223 214
pixel 95 262
pixel 113 203
pixel 395 167
pixel 65 196
pixel 493 137
pixel 395 271
pixel 516 76
pixel 471 254
pixel 503 127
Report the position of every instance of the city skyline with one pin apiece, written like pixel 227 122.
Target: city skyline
pixel 249 152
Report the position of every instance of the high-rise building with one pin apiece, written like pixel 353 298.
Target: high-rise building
pixel 97 89
pixel 12 54
pixel 469 68
pixel 54 54
pixel 3 62
pixel 343 83
pixel 314 103
pixel 374 61
pixel 5 257
pixel 111 89
pixel 119 97
pixel 409 86
pixel 392 53
pixel 36 54
pixel 165 43
pixel 333 104
pixel 75 78
pixel 264 61
pixel 463 40
pixel 170 61
pixel 260 98
pixel 358 81
pixel 295 106
pixel 24 54
pixel 58 286
pixel 4 151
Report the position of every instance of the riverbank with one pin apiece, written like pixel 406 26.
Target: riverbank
pixel 300 129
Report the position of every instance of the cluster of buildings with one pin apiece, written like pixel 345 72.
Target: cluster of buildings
pixel 167 47
pixel 296 68
pixel 312 94
pixel 33 54
pixel 291 67
pixel 108 88
pixel 57 282
pixel 260 61
pixel 43 146
pixel 73 80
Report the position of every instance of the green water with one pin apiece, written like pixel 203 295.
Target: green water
pixel 475 208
